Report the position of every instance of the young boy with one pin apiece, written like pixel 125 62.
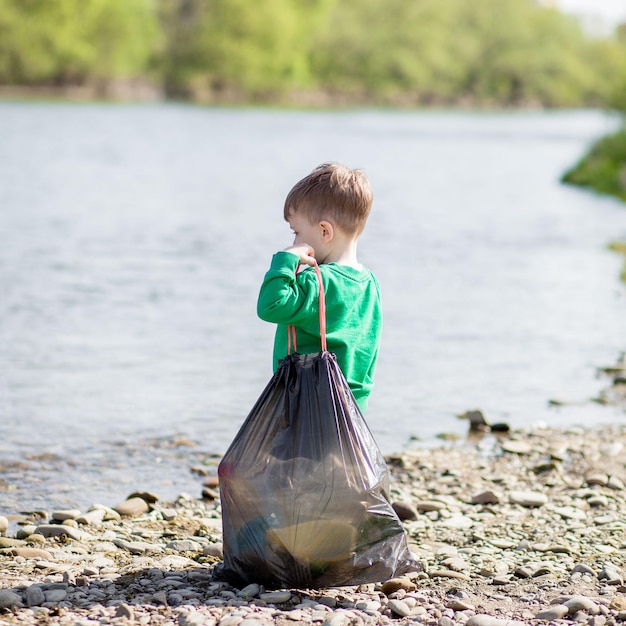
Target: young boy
pixel 327 211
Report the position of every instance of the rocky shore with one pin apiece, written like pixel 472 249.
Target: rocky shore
pixel 526 527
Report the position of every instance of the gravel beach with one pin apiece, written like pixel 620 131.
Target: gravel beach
pixel 525 527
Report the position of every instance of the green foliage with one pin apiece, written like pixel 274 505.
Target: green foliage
pixel 71 41
pixel 483 52
pixel 234 45
pixel 604 167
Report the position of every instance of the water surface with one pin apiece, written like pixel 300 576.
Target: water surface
pixel 133 239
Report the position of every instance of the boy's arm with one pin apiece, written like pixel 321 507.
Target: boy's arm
pixel 283 299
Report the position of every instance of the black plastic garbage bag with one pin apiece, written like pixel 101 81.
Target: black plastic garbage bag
pixel 304 487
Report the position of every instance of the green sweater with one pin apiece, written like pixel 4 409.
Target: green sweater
pixel 353 316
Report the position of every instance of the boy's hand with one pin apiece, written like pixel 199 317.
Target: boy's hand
pixel 304 252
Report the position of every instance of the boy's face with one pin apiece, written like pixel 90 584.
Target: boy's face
pixel 305 231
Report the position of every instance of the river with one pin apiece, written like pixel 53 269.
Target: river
pixel 133 239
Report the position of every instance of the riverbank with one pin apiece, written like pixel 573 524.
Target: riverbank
pixel 602 167
pixel 519 528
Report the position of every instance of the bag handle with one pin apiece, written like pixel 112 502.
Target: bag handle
pixel 291 330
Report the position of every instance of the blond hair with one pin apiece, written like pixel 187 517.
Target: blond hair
pixel 335 192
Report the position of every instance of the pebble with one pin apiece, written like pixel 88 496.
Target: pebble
pixel 92 518
pixel 399 608
pixel 395 584
pixel 554 612
pixel 67 514
pixel 528 498
pixel 35 596
pixel 4 524
pixel 276 597
pixel 32 553
pixel 58 530
pixel 9 599
pixel 515 446
pixel 405 510
pixel 7 542
pixel 133 507
pixel 486 497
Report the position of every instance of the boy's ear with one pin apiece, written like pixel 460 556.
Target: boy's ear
pixel 328 230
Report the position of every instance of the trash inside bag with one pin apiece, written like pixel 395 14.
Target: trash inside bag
pixel 304 488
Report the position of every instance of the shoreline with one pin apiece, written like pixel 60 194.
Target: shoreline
pixel 519 527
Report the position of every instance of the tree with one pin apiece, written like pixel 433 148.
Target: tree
pixel 72 41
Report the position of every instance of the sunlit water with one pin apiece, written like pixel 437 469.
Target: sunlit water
pixel 133 240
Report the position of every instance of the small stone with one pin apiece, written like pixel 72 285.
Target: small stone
pixel 429 505
pixel 9 600
pixel 448 574
pixel 486 497
pixel 456 564
pixel 92 518
pixel 601 520
pixel 337 618
pixel 133 507
pixel 523 572
pixel 32 553
pixel 618 603
pixel 394 584
pixel 25 531
pixel 405 511
pixel 276 597
pixel 35 596
pixel 583 568
pixel 458 604
pixel 160 597
pixel 611 574
pixel 516 446
pixel 6 542
pixel 214 549
pixel 570 512
pixel 147 496
pixel 615 482
pixel 125 611
pixel 250 591
pixel 581 603
pixel 598 501
pixel 528 498
pixel 553 612
pixel 58 530
pixel 399 608
pixel 597 479
pixel 458 522
pixel 137 547
pixel 542 571
pixel 4 524
pixel 109 513
pixel 213 481
pixel 66 514
pixel 194 618
pixel 55 595
pixel 368 606
pixel 184 545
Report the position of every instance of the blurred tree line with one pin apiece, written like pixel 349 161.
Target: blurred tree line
pixel 413 52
